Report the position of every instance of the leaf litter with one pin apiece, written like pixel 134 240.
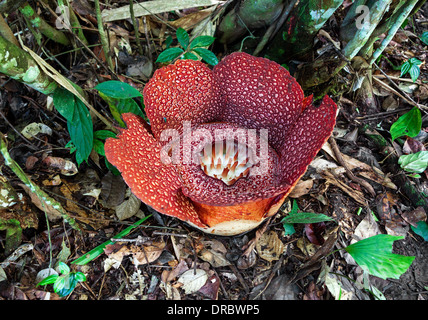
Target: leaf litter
pixel 165 259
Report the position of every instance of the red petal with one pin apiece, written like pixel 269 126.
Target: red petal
pixel 137 155
pixel 258 93
pixel 303 142
pixel 184 91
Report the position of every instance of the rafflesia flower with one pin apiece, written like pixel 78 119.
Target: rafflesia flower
pixel 224 147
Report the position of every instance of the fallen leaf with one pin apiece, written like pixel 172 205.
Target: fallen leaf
pixel 270 247
pixel 128 208
pixel 214 252
pixel 314 232
pixel 192 280
pixel 66 167
pixel 42 204
pixel 302 187
pixel 414 216
pixel 33 129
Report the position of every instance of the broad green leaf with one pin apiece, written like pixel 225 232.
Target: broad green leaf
pixel 409 124
pixel 421 230
pixel 169 54
pixel 206 55
pixel 414 72
pixel 201 41
pixel 190 55
pixel 48 280
pixel 81 131
pixel 288 229
pixel 120 106
pixel 94 253
pixel 414 162
pixel 424 37
pixel 375 256
pixel 182 37
pixel 63 268
pixel 104 134
pixel 405 67
pixel 79 122
pixel 306 217
pixel 99 147
pixel 80 276
pixel 118 90
pixel 64 103
pixel 60 283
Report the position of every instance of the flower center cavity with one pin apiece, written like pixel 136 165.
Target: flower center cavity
pixel 227 161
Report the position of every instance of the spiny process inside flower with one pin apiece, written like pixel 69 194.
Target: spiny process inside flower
pixel 227 161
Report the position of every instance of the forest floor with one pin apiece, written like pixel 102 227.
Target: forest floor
pixel 150 262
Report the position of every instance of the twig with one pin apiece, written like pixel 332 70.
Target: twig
pixel 103 38
pixel 403 95
pixel 135 24
pixel 349 173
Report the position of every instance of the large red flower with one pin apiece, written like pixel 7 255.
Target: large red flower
pixel 224 147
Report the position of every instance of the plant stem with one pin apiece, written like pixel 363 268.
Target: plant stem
pixel 19 65
pixel 103 38
pixel 134 23
pixel 44 28
pixel 364 32
pixel 44 198
pixel 404 13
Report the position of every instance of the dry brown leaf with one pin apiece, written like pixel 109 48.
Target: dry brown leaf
pixel 141 254
pixel 302 187
pixel 270 247
pixel 52 213
pixel 414 216
pixel 214 252
pixel 358 196
pixel 190 20
pixel 364 170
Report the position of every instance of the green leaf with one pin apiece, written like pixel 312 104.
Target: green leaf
pixel 306 217
pixel 104 134
pixel 169 54
pixel 288 229
pixel 63 268
pixel 168 41
pixel 79 122
pixel 409 124
pixel 64 103
pixel 81 131
pixel 421 230
pixel 48 280
pixel 405 67
pixel 60 283
pixel 201 41
pixel 118 90
pixel 94 253
pixel 415 162
pixel 375 256
pixel 414 72
pixel 120 106
pixel 182 37
pixel 80 276
pixel 206 55
pixel 411 66
pixel 99 147
pixel 190 55
pixel 424 37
